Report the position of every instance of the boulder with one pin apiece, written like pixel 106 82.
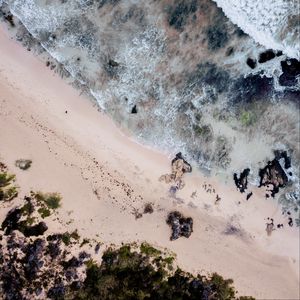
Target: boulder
pixel 180 225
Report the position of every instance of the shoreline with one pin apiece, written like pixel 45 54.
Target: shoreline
pixel 82 151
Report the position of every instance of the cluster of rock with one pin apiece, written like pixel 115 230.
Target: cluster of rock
pixel 180 225
pixel 274 175
pixel 179 167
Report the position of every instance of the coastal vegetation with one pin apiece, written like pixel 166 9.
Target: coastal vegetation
pixel 8 191
pixel 50 267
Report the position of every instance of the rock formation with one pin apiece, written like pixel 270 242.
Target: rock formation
pixel 180 225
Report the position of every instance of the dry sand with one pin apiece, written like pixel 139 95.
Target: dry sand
pixel 103 175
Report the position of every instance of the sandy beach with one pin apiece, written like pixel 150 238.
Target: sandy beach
pixel 103 176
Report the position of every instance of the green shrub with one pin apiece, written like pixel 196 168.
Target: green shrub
pixel 149 250
pixel 51 200
pixel 6 179
pixel 247 118
pixel 127 274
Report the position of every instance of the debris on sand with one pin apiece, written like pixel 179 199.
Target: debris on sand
pixel 218 199
pixel 270 227
pixel 137 214
pixel 23 164
pixel 179 167
pixel 148 209
pixel 180 225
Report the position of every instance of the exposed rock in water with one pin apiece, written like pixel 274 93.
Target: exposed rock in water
pixel 266 56
pixel 290 72
pixel 273 174
pixel 251 63
pixel 241 182
pixel 134 110
pixel 180 225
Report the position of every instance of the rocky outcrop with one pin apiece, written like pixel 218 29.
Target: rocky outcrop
pixel 179 167
pixel 180 225
pixel 241 181
pixel 273 174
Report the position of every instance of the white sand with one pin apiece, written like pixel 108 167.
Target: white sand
pixel 82 151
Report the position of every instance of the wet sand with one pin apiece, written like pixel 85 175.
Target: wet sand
pixel 103 176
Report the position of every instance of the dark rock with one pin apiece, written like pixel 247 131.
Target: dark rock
pixel 209 74
pixel 249 195
pixel 187 168
pixel 290 222
pixel 290 72
pixel 273 174
pixel 241 182
pixel 240 33
pixel 83 256
pixel 148 209
pixel 97 248
pixel 74 262
pixel 266 56
pixel 134 110
pixel 32 260
pixel 55 237
pixel 229 51
pixel 54 249
pixel 56 292
pixel 113 63
pixel 283 154
pixel 251 88
pixel 11 220
pixel 180 225
pixel 34 230
pixel 251 62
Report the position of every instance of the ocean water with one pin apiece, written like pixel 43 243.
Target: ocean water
pixel 181 75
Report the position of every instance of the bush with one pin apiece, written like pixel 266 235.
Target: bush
pixel 52 200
